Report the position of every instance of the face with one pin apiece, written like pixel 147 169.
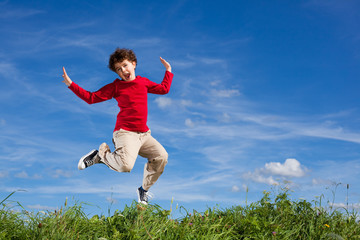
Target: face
pixel 125 70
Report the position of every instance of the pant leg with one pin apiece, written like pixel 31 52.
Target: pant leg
pixel 127 145
pixel 157 159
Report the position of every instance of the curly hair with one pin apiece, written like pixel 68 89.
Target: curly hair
pixel 119 55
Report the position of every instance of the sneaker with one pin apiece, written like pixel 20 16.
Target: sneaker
pixel 143 196
pixel 88 160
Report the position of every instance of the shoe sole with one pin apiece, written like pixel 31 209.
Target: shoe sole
pixel 81 161
pixel 139 201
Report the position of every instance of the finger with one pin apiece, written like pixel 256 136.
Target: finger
pixel 65 74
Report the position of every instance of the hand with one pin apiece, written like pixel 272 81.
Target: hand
pixel 67 80
pixel 166 64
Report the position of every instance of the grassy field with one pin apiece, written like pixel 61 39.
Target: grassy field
pixel 275 217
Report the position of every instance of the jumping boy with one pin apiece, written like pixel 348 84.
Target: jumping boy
pixel 131 135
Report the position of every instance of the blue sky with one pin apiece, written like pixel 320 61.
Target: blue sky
pixel 264 93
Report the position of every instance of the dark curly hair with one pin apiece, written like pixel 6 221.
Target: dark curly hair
pixel 120 55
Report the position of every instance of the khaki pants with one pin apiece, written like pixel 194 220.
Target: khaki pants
pixel 128 145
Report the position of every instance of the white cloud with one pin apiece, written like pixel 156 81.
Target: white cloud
pixel 209 61
pixel 36 176
pixel 314 126
pixel 259 178
pixel 111 200
pixel 163 102
pixel 215 83
pixel 7 70
pixel 41 207
pixel 290 168
pixel 328 132
pixel 147 42
pixel 61 173
pixel 3 174
pixel 186 103
pixel 189 123
pixel 225 118
pixel 19 13
pixel 225 93
pixel 25 175
pixel 318 181
pixel 182 64
pixel 344 205
pixel 22 174
pixel 235 189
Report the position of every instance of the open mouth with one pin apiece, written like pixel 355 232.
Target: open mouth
pixel 127 76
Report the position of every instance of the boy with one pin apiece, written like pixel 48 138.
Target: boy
pixel 131 135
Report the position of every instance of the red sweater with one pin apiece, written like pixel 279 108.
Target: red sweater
pixel 131 97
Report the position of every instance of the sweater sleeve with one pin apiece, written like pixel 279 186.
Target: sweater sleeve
pixel 163 87
pixel 103 94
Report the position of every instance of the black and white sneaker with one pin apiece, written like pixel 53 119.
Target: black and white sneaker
pixel 88 160
pixel 143 196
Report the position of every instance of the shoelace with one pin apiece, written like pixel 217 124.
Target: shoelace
pixel 148 195
pixel 89 162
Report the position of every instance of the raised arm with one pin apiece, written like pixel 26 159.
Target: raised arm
pixel 103 94
pixel 164 86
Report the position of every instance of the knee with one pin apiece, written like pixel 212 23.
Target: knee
pixel 124 159
pixel 163 158
pixel 127 168
pixel 164 155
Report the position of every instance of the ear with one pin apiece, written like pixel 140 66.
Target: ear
pixel 134 63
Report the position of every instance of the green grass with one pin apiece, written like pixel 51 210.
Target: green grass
pixel 275 217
